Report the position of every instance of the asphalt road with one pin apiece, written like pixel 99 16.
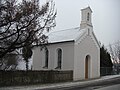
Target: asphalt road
pixel 109 87
pixel 112 87
pixel 110 84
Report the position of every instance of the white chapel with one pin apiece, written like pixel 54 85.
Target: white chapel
pixel 74 49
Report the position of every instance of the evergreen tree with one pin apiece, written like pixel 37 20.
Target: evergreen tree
pixel 27 53
pixel 105 58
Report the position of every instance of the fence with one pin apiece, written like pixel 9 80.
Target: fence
pixel 106 71
pixel 8 78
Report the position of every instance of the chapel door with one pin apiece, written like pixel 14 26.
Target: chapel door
pixel 87 67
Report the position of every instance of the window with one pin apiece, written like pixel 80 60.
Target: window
pixel 46 58
pixel 88 16
pixel 59 58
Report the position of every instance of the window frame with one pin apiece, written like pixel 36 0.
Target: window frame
pixel 59 58
pixel 46 58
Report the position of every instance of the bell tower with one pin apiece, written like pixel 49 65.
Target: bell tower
pixel 86 14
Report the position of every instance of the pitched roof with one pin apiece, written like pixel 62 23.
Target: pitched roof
pixel 87 8
pixel 65 35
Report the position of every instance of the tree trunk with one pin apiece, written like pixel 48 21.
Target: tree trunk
pixel 27 66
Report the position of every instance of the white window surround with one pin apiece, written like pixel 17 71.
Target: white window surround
pixel 59 56
pixel 46 52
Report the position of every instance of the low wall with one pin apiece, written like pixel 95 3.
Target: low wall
pixel 8 78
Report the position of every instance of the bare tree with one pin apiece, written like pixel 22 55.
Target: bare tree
pixel 115 52
pixel 22 22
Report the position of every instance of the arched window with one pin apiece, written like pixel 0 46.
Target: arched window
pixel 88 16
pixel 87 67
pixel 59 58
pixel 46 58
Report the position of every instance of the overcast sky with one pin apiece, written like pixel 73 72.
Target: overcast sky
pixel 105 17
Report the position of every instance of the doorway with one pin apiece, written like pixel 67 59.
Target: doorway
pixel 87 67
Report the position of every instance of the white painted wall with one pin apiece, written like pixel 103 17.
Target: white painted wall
pixel 67 57
pixel 37 58
pixel 83 48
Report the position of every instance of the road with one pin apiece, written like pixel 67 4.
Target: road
pixel 110 84
pixel 112 87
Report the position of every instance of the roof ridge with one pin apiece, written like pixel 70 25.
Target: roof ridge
pixel 64 30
